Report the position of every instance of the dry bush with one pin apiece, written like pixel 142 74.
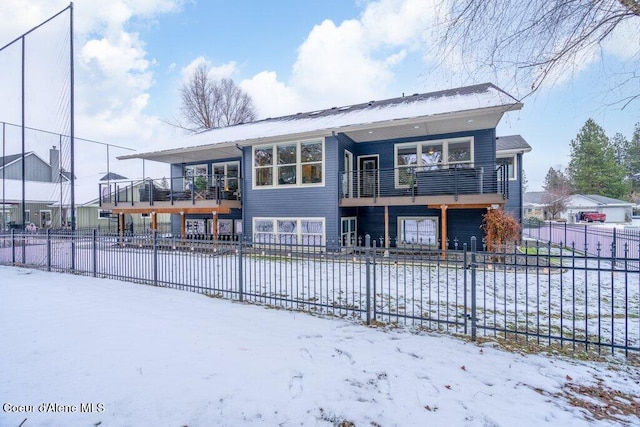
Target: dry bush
pixel 501 229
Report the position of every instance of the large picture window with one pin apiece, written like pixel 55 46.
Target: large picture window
pixel 431 155
pixel 289 164
pixel 418 231
pixel 292 231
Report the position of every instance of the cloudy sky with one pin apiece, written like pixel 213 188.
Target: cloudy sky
pixel 290 56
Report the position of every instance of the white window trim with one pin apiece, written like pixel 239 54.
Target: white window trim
pixel 299 164
pixel 299 228
pixel 401 219
pixel 515 164
pixel 419 149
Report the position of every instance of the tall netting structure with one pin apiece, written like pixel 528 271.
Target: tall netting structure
pixel 37 126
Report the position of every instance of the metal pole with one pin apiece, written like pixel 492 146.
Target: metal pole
pixel 473 288
pixel 155 257
pixel 367 243
pixel 24 210
pixel 4 208
pixel 48 249
pixel 240 277
pixel 465 266
pixel 72 120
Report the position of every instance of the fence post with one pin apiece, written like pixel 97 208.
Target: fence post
pixel 473 288
pixel 375 314
pixel 464 285
pixel 155 257
pixel 240 276
pixel 48 249
pixel 367 243
pixel 94 250
pixel 614 250
pixel 13 246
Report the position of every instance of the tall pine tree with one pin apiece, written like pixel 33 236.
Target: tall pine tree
pixel 593 167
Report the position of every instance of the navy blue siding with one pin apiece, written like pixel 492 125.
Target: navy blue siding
pixel 514 202
pixel 484 153
pixel 295 202
pixel 462 224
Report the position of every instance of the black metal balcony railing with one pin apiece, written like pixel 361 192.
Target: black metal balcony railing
pixel 191 189
pixel 420 181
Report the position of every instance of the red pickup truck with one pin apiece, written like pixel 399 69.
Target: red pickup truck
pixel 591 216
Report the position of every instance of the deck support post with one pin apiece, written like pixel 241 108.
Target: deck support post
pixel 121 228
pixel 443 230
pixel 154 221
pixel 214 228
pixel 183 226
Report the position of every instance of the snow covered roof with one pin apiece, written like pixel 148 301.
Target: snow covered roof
pixel 466 108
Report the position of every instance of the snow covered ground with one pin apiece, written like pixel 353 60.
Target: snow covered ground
pixel 146 356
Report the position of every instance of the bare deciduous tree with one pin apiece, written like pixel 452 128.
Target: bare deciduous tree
pixel 208 103
pixel 557 189
pixel 536 40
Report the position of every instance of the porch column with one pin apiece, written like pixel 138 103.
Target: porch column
pixel 386 227
pixel 121 227
pixel 154 221
pixel 214 225
pixel 443 228
pixel 183 226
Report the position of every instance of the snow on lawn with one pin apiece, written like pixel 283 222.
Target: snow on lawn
pixel 147 356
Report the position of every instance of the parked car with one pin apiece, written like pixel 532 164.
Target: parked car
pixel 591 216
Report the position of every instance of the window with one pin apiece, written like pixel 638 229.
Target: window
pixel 418 231
pixel 263 166
pixel 431 155
pixel 508 165
pixel 292 231
pixel 196 175
pixel 289 164
pixel 226 175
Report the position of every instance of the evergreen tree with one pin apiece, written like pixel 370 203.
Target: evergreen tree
pixel 632 159
pixel 593 168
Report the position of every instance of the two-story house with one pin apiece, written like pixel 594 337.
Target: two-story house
pixel 419 169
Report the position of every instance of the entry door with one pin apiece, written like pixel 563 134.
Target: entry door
pixel 368 167
pixel 349 232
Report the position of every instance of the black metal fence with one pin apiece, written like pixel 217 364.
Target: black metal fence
pixel 591 239
pixel 537 294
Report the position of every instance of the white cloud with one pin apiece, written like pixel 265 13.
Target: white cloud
pixel 216 72
pixel 266 90
pixel 349 62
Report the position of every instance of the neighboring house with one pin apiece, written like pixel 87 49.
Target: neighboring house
pixel 419 169
pixel 617 211
pixel 533 205
pixel 43 182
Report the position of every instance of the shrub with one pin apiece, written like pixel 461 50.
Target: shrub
pixel 500 229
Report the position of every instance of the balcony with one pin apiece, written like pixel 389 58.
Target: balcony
pixel 201 194
pixel 422 186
